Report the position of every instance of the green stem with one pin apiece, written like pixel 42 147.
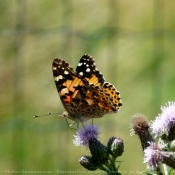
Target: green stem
pixel 111 166
pixel 104 168
pixel 159 172
pixel 165 167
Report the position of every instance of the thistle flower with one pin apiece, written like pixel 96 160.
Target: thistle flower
pixel 140 126
pixel 86 134
pixel 101 155
pixel 164 124
pixel 162 144
pixel 152 156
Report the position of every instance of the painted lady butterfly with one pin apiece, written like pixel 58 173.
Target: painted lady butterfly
pixel 84 92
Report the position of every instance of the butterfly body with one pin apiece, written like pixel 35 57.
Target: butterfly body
pixel 84 92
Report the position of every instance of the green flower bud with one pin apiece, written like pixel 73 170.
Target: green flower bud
pixel 116 146
pixel 88 163
pixel 98 151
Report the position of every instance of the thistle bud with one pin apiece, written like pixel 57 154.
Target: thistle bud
pixel 98 151
pixel 116 146
pixel 88 163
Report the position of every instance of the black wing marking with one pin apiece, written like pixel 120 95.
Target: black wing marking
pixel 88 70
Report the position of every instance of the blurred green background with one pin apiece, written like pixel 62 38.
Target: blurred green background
pixel 133 43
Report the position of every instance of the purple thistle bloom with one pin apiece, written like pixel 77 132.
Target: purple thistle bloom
pixel 164 121
pixel 86 134
pixel 152 156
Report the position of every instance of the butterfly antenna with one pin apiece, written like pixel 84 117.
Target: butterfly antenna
pixel 49 113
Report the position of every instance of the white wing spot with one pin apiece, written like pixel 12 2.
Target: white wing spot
pixel 81 73
pixel 87 65
pixel 54 68
pixel 88 70
pixel 66 72
pixel 79 64
pixel 58 78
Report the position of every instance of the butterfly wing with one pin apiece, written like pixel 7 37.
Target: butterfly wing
pixel 100 101
pixel 112 97
pixel 83 92
pixel 67 81
pixel 88 70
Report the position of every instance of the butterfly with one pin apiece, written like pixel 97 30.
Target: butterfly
pixel 84 93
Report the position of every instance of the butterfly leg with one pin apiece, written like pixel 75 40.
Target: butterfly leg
pixel 82 124
pixel 69 125
pixel 92 121
pixel 78 125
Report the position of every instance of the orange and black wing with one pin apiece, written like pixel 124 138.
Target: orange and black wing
pixel 112 97
pixel 88 70
pixel 67 81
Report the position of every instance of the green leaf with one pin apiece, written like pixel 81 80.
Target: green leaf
pixel 148 172
pixel 169 171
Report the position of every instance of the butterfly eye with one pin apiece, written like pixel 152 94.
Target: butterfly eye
pixel 65 114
